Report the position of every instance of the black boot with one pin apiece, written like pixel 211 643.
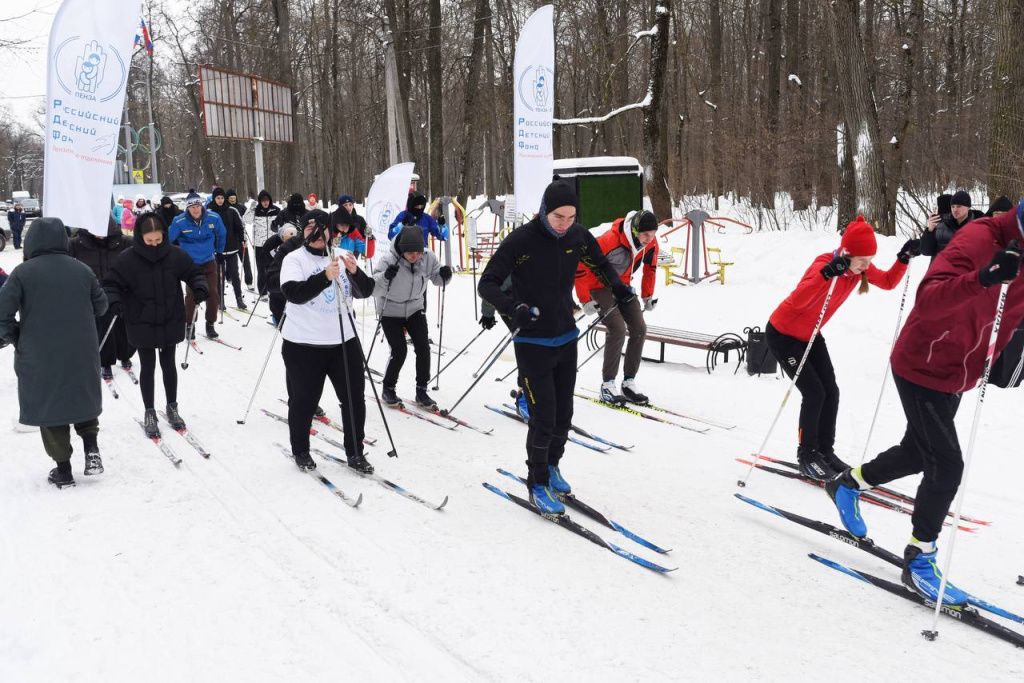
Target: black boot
pixel 304 462
pixel 241 303
pixel 360 464
pixel 813 465
pixel 93 463
pixel 151 425
pixel 174 418
pixel 319 412
pixel 60 476
pixel 834 463
pixel 211 331
pixel 389 396
pixel 423 398
pixel 106 373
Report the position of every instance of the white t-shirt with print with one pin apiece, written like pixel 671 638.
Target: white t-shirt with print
pixel 316 321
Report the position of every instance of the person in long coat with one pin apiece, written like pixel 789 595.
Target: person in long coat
pixel 57 355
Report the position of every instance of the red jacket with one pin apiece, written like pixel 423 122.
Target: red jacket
pixel 943 345
pixel 617 245
pixel 796 315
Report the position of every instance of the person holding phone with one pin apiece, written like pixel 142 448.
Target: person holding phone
pixel 954 213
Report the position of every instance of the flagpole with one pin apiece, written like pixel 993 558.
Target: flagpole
pixel 147 40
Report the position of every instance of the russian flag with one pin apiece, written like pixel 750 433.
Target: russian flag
pixel 142 39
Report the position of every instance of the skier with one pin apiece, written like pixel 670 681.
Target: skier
pixel 143 286
pixel 292 213
pixel 401 282
pixel 488 322
pixel 201 234
pixel 415 214
pixel 243 253
pixel 279 245
pixel 127 217
pixel 940 354
pixel 351 239
pixel 629 244
pixel 320 341
pixel 999 206
pixel 167 211
pixel 99 253
pixel 16 221
pixel 263 216
pixel 141 206
pixel 541 257
pixel 235 234
pixel 57 300
pixel 941 227
pixel 791 324
pixel 347 202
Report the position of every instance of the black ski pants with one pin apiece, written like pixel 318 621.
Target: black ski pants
pixel 243 256
pixel 263 259
pixel 548 377
pixel 817 384
pixel 306 368
pixel 230 274
pixel 393 332
pixel 147 361
pixel 929 446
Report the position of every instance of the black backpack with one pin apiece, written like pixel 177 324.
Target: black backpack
pixel 760 359
pixel 1008 370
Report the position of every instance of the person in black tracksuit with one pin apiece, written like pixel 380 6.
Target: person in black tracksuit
pixel 167 211
pixel 243 253
pixel 280 245
pixel 232 245
pixel 263 219
pixel 541 257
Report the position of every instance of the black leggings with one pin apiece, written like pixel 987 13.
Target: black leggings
pixel 817 384
pixel 548 377
pixel 147 359
pixel 393 332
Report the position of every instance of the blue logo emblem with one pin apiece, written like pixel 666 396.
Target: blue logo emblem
pixel 535 87
pixel 89 70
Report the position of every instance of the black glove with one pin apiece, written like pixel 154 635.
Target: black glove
pixel 219 256
pixel 200 295
pixel 623 294
pixel 390 272
pixel 1003 267
pixel 910 249
pixel 523 315
pixel 446 274
pixel 115 308
pixel 409 220
pixel 487 321
pixel 441 220
pixel 837 266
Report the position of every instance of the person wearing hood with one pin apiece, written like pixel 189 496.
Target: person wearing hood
pixel 144 287
pixel 348 203
pixel 167 211
pixel 415 214
pixel 263 217
pixel 351 239
pixel 141 205
pixel 999 206
pixel 16 221
pixel 118 209
pixel 942 226
pixel 292 213
pixel 542 257
pixel 630 244
pixel 99 253
pixel 243 253
pixel 201 234
pixel 235 235
pixel 320 341
pixel 400 284
pixel 127 216
pixel 48 311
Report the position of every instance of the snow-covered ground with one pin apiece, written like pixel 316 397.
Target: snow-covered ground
pixel 241 568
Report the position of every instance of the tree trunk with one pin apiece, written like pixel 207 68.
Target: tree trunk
pixel 655 140
pixel 434 79
pixel 1005 168
pixel 772 98
pixel 469 114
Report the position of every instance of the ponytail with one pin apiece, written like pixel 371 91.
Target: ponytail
pixel 863 283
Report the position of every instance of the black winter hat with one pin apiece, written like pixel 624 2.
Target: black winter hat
pixel 409 238
pixel 341 216
pixel 217 193
pixel 560 193
pixel 416 200
pixel 960 198
pixel 999 204
pixel 318 215
pixel 264 195
pixel 230 193
pixel 166 200
pixel 645 221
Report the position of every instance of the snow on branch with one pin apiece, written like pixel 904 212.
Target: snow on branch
pixel 645 102
pixel 649 33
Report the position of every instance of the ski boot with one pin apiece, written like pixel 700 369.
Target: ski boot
pixel 844 490
pixel 106 373
pixel 389 397
pixel 833 461
pixel 151 425
pixel 813 465
pixel 522 406
pixel 423 398
pixel 60 476
pixel 240 303
pixel 610 395
pixel 319 412
pixel 632 392
pixel 272 320
pixel 211 331
pixel 126 365
pixel 360 464
pixel 557 482
pixel 545 501
pixel 304 462
pixel 93 463
pixel 922 575
pixel 174 418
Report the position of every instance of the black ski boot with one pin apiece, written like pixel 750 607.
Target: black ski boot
pixel 813 465
pixel 126 365
pixel 632 392
pixel 211 331
pixel 319 412
pixel 106 373
pixel 360 464
pixel 93 463
pixel 60 476
pixel 423 398
pixel 174 418
pixel 389 396
pixel 240 301
pixel 304 462
pixel 151 425
pixel 836 465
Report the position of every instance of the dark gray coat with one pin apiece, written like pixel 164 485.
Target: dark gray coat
pixel 56 355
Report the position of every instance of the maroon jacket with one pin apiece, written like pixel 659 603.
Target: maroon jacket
pixel 943 345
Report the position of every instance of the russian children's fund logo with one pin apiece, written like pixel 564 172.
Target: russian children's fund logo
pixel 381 214
pixel 535 88
pixel 88 70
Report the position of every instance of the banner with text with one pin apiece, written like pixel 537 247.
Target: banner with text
pixel 533 109
pixel 88 60
pixel 386 200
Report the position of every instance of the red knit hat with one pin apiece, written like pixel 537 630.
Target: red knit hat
pixel 859 238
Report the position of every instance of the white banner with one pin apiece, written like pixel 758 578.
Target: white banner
pixel 533 109
pixel 386 200
pixel 88 60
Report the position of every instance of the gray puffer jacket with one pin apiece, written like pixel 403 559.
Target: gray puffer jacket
pixel 403 296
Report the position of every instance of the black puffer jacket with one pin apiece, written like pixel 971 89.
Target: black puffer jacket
pixel 292 213
pixel 167 213
pixel 146 282
pixel 99 253
pixel 232 224
pixel 934 241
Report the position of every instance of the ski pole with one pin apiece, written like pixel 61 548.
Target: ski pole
pixel 393 453
pixel 587 359
pixel 110 328
pixel 933 633
pixel 223 283
pixel 277 333
pixel 350 433
pixel 509 373
pixel 446 365
pixel 472 255
pixel 380 321
pixel 448 412
pixel 253 311
pixel 491 353
pixel 440 338
pixel 189 331
pixel 885 375
pixel 796 375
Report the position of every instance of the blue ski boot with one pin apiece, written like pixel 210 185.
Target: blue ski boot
pixel 522 407
pixel 545 501
pixel 557 482
pixel 844 490
pixel 922 575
